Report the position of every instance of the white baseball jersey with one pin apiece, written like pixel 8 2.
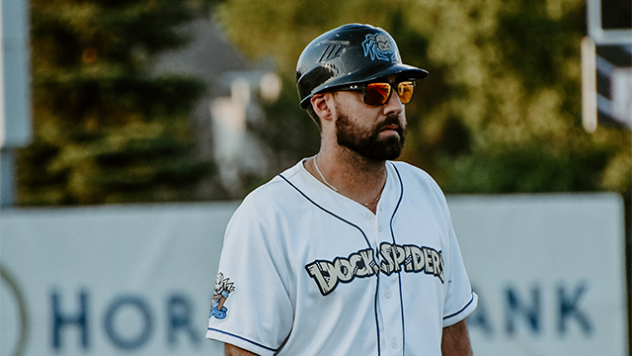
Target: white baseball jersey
pixel 307 271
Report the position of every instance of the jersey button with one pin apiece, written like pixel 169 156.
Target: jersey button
pixel 387 293
pixel 379 228
pixel 367 214
pixel 394 344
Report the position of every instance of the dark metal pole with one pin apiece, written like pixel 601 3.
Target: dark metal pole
pixel 6 177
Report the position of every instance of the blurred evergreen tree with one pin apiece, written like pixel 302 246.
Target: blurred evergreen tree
pixel 105 129
pixel 501 109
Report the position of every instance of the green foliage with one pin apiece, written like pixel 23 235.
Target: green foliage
pixel 501 109
pixel 287 130
pixel 105 129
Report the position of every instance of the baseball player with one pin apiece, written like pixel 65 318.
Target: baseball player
pixel 347 252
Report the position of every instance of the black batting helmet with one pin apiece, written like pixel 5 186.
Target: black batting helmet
pixel 349 54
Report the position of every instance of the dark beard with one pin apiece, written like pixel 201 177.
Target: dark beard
pixel 368 143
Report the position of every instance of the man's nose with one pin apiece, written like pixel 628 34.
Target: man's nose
pixel 393 106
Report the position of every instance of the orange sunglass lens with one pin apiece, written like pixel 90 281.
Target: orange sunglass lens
pixel 377 93
pixel 405 91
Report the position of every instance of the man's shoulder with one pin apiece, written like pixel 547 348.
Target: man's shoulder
pixel 407 171
pixel 269 192
pixel 274 191
pixel 264 205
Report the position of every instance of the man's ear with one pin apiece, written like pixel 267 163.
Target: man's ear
pixel 321 106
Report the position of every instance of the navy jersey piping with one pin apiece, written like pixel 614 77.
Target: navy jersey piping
pixel 461 310
pixel 399 276
pixel 327 211
pixel 243 338
pixel 377 324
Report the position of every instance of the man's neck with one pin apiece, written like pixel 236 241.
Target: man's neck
pixel 350 174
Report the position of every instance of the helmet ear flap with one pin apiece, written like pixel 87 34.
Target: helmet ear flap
pixel 349 54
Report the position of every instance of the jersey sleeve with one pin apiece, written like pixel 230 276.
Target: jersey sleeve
pixel 460 301
pixel 251 306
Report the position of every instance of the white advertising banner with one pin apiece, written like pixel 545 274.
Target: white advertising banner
pixel 549 271
pixel 120 280
pixel 138 280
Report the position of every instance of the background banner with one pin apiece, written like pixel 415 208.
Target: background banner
pixel 138 280
pixel 133 280
pixel 549 271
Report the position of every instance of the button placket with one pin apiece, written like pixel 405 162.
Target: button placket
pixel 389 288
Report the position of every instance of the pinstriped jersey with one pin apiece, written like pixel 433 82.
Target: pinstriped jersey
pixel 307 271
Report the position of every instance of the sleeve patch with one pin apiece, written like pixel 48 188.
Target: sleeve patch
pixel 223 289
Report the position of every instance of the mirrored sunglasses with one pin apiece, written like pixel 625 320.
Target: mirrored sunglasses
pixel 377 94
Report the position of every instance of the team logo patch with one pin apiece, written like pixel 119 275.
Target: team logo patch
pixel 394 259
pixel 378 46
pixel 223 289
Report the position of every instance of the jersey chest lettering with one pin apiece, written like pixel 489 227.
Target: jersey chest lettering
pixel 394 259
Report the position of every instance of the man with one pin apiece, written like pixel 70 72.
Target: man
pixel 348 252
